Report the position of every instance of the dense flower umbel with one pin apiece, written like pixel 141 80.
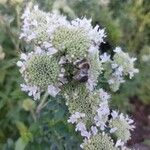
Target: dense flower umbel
pixel 38 25
pixel 73 42
pixel 115 70
pixel 100 141
pixel 40 70
pixel 80 99
pixel 66 60
pixel 121 125
pixel 125 62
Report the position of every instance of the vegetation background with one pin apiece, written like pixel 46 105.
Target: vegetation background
pixel 127 24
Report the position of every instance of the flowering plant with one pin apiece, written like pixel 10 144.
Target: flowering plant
pixel 64 60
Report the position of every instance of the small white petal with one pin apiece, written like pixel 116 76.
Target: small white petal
pixel 53 91
pixel 105 57
pixel 113 130
pixel 23 56
pixel 119 143
pixel 94 130
pixel 19 64
pixel 117 50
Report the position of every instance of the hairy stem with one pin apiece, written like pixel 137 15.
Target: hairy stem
pixel 42 103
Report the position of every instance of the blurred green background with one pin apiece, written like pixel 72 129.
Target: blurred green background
pixel 127 24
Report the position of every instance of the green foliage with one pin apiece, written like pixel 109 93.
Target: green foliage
pixel 18 130
pixel 20 144
pixel 127 21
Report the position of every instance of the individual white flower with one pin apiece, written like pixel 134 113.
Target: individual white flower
pixel 93 50
pixel 97 35
pixel 23 56
pixel 80 127
pixel 104 57
pixel 117 50
pixel 114 114
pixel 103 109
pixel 53 90
pixel 132 72
pixel 38 50
pixel 99 122
pixel 48 47
pixel 31 37
pixel 22 66
pixel 26 13
pixel 118 71
pixel 94 130
pixel 19 63
pixel 119 143
pixel 32 91
pixel 75 117
pixel 85 134
pixel 115 82
pixel 114 66
pixel 72 119
pixel 112 130
pixel 62 60
pixel 104 96
pixel 90 84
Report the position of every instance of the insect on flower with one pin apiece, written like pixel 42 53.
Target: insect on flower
pixel 81 74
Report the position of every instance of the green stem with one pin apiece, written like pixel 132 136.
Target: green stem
pixel 42 103
pixel 33 115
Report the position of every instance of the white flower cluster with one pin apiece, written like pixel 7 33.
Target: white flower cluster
pixel 121 66
pixel 36 78
pixel 119 125
pixel 68 42
pixel 65 60
pixel 35 22
pixel 103 110
pixel 80 126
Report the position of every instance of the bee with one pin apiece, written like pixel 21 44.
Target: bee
pixel 81 74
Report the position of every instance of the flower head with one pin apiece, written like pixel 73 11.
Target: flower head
pixel 73 42
pixel 125 61
pixel 40 70
pixel 100 141
pixel 122 125
pixel 38 25
pixel 79 99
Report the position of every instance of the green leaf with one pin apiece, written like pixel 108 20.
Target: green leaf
pixel 20 144
pixel 28 104
pixel 2 76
